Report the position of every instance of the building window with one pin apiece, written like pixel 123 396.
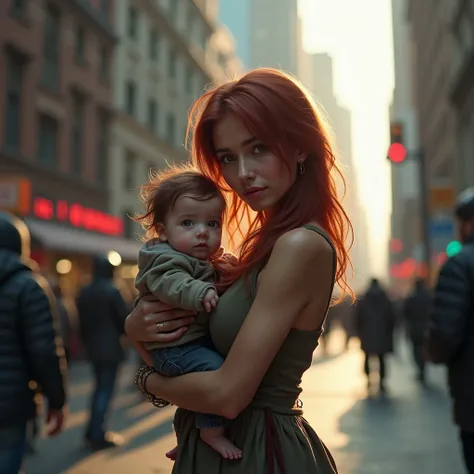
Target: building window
pixel 129 171
pixel 188 79
pixel 222 60
pixel 18 8
pixel 47 153
pixel 203 39
pixel 173 5
pixel 50 76
pixel 171 129
pixel 154 45
pixel 132 23
pixel 14 87
pixel 105 8
pixel 80 45
pixel 128 224
pixel 130 98
pixel 189 20
pixel 77 133
pixel 152 114
pixel 102 146
pixel 103 64
pixel 172 63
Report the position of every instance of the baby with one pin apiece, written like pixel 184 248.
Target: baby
pixel 184 213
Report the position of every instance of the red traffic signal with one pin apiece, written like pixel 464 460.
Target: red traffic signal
pixel 397 153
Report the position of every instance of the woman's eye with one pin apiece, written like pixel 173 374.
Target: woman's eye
pixel 258 149
pixel 214 224
pixel 224 159
pixel 187 223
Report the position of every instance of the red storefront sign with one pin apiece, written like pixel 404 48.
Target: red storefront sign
pixel 78 216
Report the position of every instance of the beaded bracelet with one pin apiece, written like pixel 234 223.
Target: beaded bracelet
pixel 140 381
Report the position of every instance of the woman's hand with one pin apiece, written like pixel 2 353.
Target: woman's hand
pixel 153 321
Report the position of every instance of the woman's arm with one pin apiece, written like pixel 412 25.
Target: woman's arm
pixel 298 271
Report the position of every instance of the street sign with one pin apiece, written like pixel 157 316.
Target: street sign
pixel 15 195
pixel 441 198
pixel 441 227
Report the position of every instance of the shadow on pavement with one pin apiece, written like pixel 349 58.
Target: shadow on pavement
pixel 401 433
pixel 132 416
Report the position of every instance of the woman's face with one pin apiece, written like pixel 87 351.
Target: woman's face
pixel 257 175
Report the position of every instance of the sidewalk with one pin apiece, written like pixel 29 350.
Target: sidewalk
pixel 408 432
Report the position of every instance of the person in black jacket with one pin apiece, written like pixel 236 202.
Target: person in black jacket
pixel 102 313
pixel 450 335
pixel 31 357
pixel 415 312
pixel 375 320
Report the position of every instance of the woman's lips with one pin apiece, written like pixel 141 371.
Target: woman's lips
pixel 253 192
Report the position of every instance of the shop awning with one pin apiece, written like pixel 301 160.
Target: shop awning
pixel 56 237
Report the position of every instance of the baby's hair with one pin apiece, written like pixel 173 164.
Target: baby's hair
pixel 163 190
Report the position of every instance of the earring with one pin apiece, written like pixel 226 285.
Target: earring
pixel 302 168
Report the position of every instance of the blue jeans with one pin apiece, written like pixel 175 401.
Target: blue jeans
pixel 195 356
pixel 12 448
pixel 105 377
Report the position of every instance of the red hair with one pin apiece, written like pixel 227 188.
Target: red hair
pixel 276 109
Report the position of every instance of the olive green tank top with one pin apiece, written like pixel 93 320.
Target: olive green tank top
pixel 280 387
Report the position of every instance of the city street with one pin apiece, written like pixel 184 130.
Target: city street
pixel 408 432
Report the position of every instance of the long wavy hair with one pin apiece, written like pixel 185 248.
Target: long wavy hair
pixel 280 112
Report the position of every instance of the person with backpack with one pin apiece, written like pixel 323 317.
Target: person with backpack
pixel 31 359
pixel 450 334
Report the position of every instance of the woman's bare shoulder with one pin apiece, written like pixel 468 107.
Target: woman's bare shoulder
pixel 303 244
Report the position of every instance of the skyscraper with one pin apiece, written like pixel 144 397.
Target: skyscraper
pixel 339 118
pixel 266 31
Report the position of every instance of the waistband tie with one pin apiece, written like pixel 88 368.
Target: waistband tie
pixel 273 444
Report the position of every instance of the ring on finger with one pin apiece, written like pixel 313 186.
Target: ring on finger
pixel 160 326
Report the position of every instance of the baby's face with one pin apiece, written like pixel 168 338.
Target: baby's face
pixel 194 227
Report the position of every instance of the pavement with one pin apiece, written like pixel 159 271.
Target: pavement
pixel 408 431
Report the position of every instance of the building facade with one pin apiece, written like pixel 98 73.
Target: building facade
pixel 461 17
pixel 168 53
pixel 406 237
pixel 433 51
pixel 57 107
pixel 266 31
pixel 339 120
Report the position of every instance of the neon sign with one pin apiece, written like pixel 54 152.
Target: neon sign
pixel 77 216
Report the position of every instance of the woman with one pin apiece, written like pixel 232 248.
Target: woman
pixel 262 141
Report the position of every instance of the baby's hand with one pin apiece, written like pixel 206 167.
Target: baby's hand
pixel 210 300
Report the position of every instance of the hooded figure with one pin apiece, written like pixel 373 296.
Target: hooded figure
pixel 416 313
pixel 375 318
pixel 102 312
pixel 28 342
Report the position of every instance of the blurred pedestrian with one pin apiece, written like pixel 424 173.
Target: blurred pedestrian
pixel 31 359
pixel 450 336
pixel 347 320
pixel 102 312
pixel 328 327
pixel 415 311
pixel 66 317
pixel 375 324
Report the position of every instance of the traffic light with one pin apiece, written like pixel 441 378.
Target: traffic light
pixel 396 132
pixel 453 248
pixel 397 152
